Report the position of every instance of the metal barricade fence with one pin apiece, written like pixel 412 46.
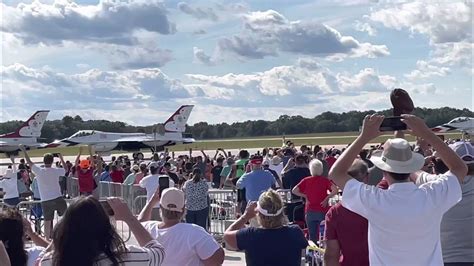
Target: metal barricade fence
pixel 104 189
pixel 138 204
pixel 32 211
pixel 222 211
pixel 72 184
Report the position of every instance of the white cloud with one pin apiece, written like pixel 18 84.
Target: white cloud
pixel 133 57
pixel 107 22
pixel 267 33
pixel 25 86
pixel 459 53
pixel 197 12
pixel 442 22
pixel 304 82
pixel 426 70
pixel 365 27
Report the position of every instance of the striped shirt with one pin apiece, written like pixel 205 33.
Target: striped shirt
pixel 152 254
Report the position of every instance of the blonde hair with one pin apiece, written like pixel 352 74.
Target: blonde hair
pixel 272 203
pixel 316 167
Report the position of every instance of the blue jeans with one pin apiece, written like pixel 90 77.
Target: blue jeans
pixel 313 219
pixel 198 217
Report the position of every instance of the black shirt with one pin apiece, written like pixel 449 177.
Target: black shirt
pixel 293 177
pixel 272 247
pixel 173 177
pixel 216 175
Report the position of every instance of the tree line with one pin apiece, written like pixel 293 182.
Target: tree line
pixel 289 125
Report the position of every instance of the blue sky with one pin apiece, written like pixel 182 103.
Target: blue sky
pixel 137 61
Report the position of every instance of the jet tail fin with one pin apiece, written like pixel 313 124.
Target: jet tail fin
pixel 32 127
pixel 177 122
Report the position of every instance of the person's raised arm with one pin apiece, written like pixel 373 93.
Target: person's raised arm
pixel 63 163
pixel 145 214
pixel 27 156
pixel 230 235
pixel 370 130
pixel 12 159
pixel 455 164
pixel 37 239
pixel 78 158
pixel 215 155
pixel 225 153
pixel 123 213
pixel 204 154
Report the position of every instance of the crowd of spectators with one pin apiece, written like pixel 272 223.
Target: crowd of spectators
pixel 401 205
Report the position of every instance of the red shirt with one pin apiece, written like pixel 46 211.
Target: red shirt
pixel 351 231
pixel 330 160
pixel 86 179
pixel 117 176
pixel 315 188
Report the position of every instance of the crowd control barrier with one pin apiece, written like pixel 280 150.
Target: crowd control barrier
pixel 222 211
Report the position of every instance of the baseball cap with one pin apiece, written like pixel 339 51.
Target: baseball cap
pixel 135 167
pixel 464 150
pixel 84 164
pixel 256 160
pixel 172 199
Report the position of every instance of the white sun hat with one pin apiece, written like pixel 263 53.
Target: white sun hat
pixel 397 157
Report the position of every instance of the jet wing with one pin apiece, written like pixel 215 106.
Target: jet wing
pixel 152 139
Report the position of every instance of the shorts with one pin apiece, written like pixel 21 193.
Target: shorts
pixel 13 202
pixel 49 206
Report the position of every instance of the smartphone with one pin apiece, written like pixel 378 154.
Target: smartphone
pixel 55 155
pixel 393 123
pixel 107 207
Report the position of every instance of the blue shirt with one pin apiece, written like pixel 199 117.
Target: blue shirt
pixel 255 183
pixel 105 176
pixel 276 247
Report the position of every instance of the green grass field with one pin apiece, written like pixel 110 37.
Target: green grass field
pixel 324 139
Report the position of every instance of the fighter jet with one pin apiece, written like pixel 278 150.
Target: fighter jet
pixel 27 134
pixel 463 124
pixel 170 133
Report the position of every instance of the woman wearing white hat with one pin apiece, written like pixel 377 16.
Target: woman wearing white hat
pixel 275 242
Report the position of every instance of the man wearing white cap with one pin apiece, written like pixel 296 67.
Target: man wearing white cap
pixel 185 244
pixel 404 221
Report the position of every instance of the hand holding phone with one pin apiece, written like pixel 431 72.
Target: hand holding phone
pixel 393 123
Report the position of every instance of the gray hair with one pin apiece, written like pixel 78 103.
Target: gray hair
pixel 316 167
pixel 358 170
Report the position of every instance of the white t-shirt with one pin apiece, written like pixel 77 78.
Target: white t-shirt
pixel 185 244
pixel 404 220
pixel 277 168
pixel 33 254
pixel 9 184
pixel 150 183
pixel 48 181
